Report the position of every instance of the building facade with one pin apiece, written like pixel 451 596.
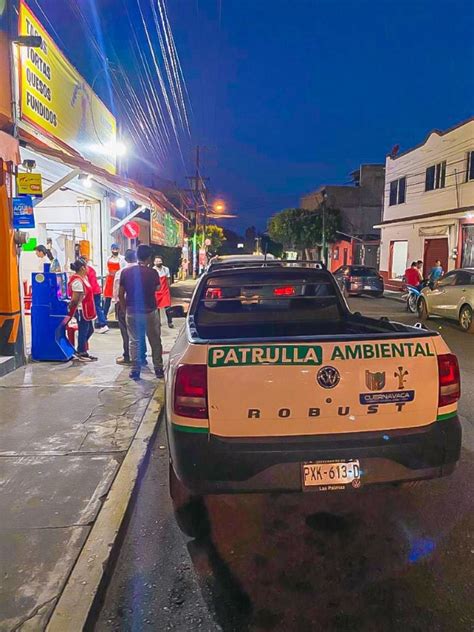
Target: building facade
pixel 429 205
pixel 360 204
pixel 57 134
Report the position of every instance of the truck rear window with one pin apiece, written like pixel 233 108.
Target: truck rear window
pixel 267 305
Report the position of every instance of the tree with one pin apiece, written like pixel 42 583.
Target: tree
pixel 215 234
pixel 300 229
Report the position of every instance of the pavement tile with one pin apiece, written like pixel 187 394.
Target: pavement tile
pixel 53 491
pixel 35 565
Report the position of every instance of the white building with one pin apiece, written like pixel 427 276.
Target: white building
pixel 429 204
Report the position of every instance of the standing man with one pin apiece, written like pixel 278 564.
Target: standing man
pixel 138 285
pixel 114 263
pixel 130 260
pixel 436 272
pixel 163 294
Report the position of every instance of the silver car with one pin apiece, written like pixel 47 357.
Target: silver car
pixel 452 297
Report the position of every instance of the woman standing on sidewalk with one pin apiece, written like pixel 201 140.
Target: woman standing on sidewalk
pixel 82 307
pixel 101 323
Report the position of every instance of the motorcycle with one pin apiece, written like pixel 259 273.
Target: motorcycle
pixel 412 296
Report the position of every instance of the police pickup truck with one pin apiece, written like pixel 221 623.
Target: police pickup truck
pixel 275 385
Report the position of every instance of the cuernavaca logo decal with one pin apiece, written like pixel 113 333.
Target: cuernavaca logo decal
pixel 392 397
pixel 328 377
pixel 401 375
pixel 375 381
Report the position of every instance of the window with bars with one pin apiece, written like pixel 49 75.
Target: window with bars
pixel 470 166
pixel 436 177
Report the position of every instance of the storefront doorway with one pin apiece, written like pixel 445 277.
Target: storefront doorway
pixel 435 249
pixel 468 246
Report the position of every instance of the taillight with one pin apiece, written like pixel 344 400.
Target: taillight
pixel 190 391
pixel 213 293
pixel 287 290
pixel 449 379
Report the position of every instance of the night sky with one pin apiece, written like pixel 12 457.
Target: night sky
pixel 288 95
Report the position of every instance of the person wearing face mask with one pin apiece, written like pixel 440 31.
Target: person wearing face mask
pixel 163 294
pixel 114 263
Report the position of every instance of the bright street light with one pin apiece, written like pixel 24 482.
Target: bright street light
pixel 218 206
pixel 120 202
pixel 120 149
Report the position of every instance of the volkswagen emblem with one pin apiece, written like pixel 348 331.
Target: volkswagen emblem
pixel 328 377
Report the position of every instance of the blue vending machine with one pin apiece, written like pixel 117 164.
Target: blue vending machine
pixel 49 317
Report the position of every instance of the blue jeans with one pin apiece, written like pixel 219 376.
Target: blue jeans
pixel 85 329
pixel 101 319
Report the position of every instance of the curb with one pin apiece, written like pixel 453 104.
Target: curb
pixel 80 594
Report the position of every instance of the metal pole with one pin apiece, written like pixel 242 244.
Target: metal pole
pixel 323 207
pixel 196 213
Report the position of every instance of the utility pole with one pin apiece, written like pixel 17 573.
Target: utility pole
pixel 199 191
pixel 323 210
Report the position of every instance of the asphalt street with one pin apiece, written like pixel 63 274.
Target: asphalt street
pixel 383 559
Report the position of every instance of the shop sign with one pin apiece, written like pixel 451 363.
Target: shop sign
pixel 23 214
pixel 165 230
pixel 29 184
pixel 56 100
pixel 131 230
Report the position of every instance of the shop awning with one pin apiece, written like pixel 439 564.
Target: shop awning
pixel 126 219
pixel 137 192
pixel 9 149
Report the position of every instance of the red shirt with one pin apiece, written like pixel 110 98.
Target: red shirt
pixel 92 278
pixel 412 276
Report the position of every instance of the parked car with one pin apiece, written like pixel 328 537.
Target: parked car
pixel 357 279
pixel 452 297
pixel 274 385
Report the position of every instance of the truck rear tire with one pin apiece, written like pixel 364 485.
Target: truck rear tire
pixel 190 511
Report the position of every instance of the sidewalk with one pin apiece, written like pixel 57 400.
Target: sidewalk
pixel 65 431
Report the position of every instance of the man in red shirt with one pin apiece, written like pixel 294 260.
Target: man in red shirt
pixel 412 275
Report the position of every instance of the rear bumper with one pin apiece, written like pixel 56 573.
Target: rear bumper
pixel 210 464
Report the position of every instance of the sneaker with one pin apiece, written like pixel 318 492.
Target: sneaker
pixel 103 330
pixel 160 374
pixel 134 375
pixel 170 325
pixel 123 360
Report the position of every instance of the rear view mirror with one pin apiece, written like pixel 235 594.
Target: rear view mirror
pixel 179 311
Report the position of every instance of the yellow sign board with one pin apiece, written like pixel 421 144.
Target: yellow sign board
pixel 29 184
pixel 58 102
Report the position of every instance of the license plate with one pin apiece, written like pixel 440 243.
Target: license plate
pixel 328 475
pixel 367 287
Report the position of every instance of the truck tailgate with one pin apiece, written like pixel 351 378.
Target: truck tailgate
pixel 287 389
